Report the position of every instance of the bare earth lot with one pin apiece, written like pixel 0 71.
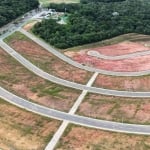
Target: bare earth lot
pixel 130 110
pixel 22 130
pixel 29 25
pixel 121 49
pixel 141 83
pixel 45 60
pixel 80 138
pixel 22 82
pixel 132 64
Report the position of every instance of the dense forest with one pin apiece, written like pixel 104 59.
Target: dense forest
pixel 11 9
pixel 94 21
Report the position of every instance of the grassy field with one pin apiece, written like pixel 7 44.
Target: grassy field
pixel 24 83
pixel 140 83
pixel 119 109
pixel 23 130
pixel 47 61
pixel 45 2
pixel 81 138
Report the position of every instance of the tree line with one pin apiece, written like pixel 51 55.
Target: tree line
pixel 11 9
pixel 92 22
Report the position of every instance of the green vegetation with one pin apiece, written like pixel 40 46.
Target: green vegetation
pixel 11 9
pixel 16 35
pixel 113 108
pixel 90 22
pixel 47 2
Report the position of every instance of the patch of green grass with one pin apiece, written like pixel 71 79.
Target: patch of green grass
pixel 16 36
pixel 47 138
pixel 53 91
pixel 46 2
pixel 116 105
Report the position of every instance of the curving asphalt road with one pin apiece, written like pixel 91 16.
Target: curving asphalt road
pixel 76 64
pixel 119 57
pixel 74 85
pixel 80 120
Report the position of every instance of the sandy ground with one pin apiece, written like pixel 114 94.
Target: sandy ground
pixel 16 78
pixel 28 26
pixel 22 130
pixel 80 138
pixel 117 109
pixel 123 83
pixel 48 62
pixel 132 64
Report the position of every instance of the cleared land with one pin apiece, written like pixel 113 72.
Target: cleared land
pixel 22 130
pixel 22 82
pixel 45 60
pixel 80 138
pixel 29 25
pixel 121 49
pixel 141 83
pixel 125 44
pixel 132 64
pixel 130 110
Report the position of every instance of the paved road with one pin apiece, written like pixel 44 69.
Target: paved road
pixel 11 27
pixel 78 65
pixel 119 57
pixel 51 145
pixel 80 120
pixel 74 85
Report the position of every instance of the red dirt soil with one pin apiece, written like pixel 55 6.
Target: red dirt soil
pixel 139 63
pixel 80 138
pixel 121 49
pixel 49 62
pixel 19 80
pixel 123 83
pixel 24 130
pixel 130 110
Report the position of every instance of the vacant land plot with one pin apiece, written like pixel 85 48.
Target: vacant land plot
pixel 141 83
pixel 22 130
pixel 45 60
pixel 121 49
pixel 130 110
pixel 29 25
pixel 22 82
pixel 138 63
pixel 81 138
pixel 124 44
